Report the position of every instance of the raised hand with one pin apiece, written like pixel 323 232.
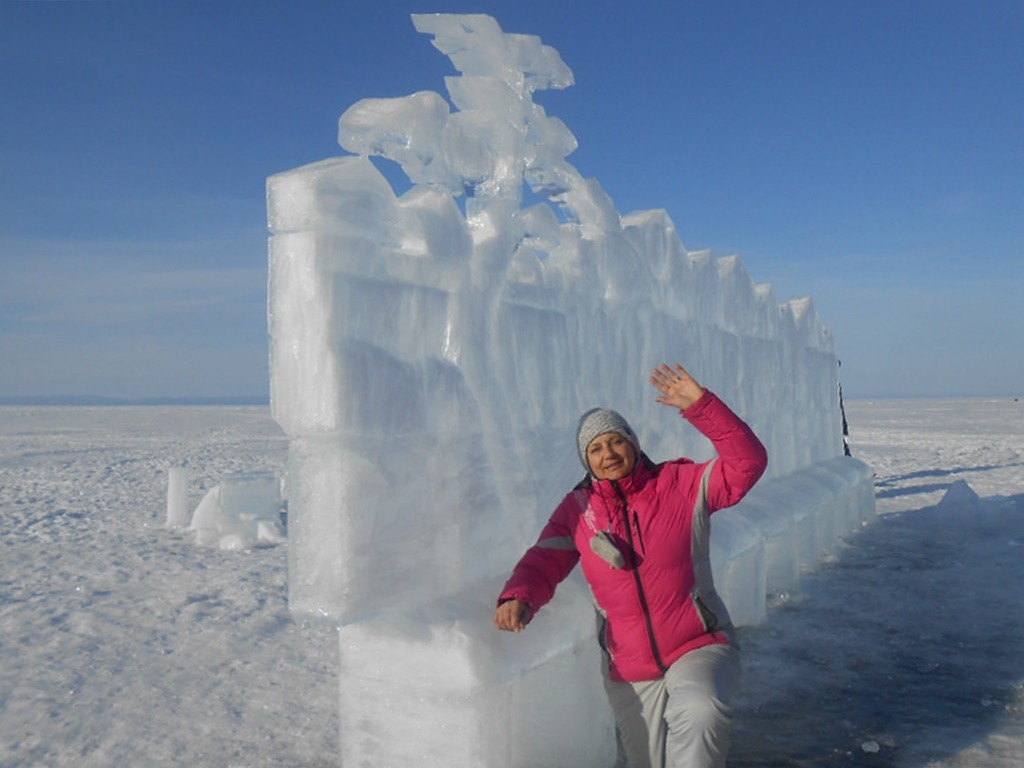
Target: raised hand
pixel 678 388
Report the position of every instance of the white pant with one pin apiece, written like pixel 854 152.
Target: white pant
pixel 684 719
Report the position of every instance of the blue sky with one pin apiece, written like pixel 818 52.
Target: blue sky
pixel 867 154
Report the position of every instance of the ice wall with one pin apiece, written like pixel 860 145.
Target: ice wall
pixel 430 354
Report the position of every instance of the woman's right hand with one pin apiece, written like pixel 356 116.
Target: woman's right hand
pixel 512 616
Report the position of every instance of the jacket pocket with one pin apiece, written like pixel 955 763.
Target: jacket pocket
pixel 602 637
pixel 707 616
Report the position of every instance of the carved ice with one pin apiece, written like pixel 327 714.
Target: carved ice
pixel 430 354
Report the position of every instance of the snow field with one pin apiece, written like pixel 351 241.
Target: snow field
pixel 121 642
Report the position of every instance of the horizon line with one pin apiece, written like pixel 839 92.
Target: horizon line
pixel 82 400
pixel 264 400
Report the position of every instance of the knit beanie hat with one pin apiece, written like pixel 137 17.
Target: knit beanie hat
pixel 598 421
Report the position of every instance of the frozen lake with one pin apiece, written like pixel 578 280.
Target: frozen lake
pixel 123 644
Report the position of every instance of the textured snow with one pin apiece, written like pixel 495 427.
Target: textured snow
pixel 121 643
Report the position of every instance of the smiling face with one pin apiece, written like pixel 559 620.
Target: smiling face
pixel 610 456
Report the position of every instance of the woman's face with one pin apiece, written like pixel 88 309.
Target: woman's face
pixel 611 456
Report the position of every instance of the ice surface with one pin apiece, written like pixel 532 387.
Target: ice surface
pixel 487 699
pixel 761 546
pixel 125 645
pixel 431 352
pixel 240 512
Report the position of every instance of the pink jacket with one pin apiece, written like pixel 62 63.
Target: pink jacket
pixel 657 599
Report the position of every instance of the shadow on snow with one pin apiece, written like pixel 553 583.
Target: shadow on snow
pixel 886 489
pixel 903 650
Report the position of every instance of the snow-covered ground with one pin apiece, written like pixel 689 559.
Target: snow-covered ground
pixel 121 643
pixel 905 650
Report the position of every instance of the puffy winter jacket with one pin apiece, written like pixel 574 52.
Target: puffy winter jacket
pixel 655 590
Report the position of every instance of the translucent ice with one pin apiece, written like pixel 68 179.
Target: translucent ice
pixel 407 130
pixel 177 497
pixel 476 45
pixel 430 354
pixel 242 511
pixel 441 687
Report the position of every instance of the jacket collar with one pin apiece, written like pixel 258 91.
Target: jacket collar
pixel 631 483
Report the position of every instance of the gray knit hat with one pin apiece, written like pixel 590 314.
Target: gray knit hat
pixel 598 421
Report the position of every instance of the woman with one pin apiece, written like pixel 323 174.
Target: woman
pixel 641 533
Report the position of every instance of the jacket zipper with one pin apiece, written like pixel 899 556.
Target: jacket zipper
pixel 639 535
pixel 707 616
pixel 636 579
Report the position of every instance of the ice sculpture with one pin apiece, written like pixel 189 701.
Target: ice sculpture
pixel 430 354
pixel 242 511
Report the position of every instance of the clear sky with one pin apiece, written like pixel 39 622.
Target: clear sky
pixel 869 154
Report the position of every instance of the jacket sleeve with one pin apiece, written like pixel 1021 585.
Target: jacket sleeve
pixel 742 458
pixel 547 562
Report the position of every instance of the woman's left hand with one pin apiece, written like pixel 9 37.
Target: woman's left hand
pixel 678 388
